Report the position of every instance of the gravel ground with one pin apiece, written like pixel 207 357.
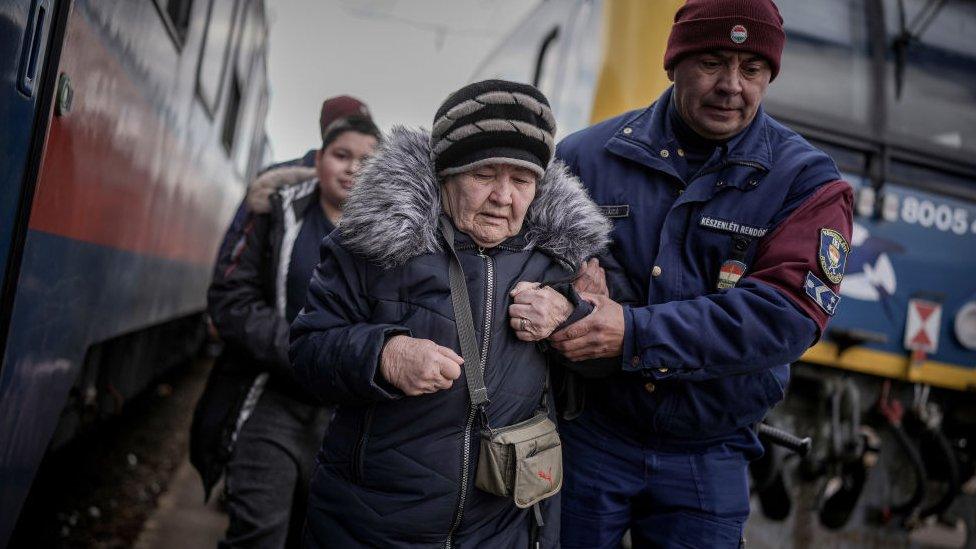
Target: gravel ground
pixel 98 490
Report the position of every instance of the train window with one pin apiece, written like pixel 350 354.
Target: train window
pixel 846 159
pixel 179 14
pixel 231 115
pixel 254 102
pixel 176 13
pixel 213 56
pixel 937 181
pixel 826 66
pixel 251 36
pixel 931 71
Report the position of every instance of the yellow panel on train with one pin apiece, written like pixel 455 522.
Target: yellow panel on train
pixel 635 36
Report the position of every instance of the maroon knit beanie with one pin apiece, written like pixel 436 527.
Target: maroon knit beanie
pixel 754 26
pixel 340 107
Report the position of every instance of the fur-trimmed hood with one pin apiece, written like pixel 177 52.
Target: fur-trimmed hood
pixel 261 189
pixel 391 215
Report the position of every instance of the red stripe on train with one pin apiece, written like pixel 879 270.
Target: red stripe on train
pixel 114 174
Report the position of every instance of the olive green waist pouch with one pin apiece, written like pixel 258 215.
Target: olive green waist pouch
pixel 523 461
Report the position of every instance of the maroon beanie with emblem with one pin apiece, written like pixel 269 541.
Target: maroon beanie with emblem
pixel 753 26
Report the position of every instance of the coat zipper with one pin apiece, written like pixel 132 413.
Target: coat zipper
pixel 726 164
pixel 361 445
pixel 466 450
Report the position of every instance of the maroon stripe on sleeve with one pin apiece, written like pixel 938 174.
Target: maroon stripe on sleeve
pixel 791 250
pixel 239 246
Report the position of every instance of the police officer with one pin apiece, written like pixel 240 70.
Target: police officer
pixel 730 238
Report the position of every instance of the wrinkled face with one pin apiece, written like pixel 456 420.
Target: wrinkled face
pixel 718 93
pixel 337 163
pixel 489 202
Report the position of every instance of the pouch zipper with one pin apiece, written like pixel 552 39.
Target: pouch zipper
pixel 466 442
pixel 538 418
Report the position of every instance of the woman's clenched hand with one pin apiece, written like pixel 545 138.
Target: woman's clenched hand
pixel 537 310
pixel 419 366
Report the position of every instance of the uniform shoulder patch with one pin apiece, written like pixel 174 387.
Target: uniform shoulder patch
pixel 833 253
pixel 821 294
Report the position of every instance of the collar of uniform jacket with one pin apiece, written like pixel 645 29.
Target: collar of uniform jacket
pixel 648 138
pixel 391 214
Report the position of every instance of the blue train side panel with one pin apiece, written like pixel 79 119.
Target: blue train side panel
pixel 55 319
pixel 136 185
pixel 919 244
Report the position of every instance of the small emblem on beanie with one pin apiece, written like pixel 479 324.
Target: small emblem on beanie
pixel 739 34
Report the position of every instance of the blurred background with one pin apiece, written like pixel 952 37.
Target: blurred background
pixel 402 58
pixel 131 129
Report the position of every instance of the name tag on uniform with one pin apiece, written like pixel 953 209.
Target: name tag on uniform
pixel 620 210
pixel 732 227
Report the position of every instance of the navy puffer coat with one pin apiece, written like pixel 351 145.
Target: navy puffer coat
pixel 396 470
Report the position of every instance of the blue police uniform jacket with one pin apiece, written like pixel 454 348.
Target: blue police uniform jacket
pixel 725 279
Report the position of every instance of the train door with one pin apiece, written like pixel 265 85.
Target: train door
pixel 592 58
pixel 534 52
pixel 26 31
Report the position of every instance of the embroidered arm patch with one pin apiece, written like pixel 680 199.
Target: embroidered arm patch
pixel 821 294
pixel 833 254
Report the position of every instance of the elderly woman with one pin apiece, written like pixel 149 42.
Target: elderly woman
pixel 378 334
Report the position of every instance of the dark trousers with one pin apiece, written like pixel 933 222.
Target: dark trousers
pixel 266 481
pixel 611 484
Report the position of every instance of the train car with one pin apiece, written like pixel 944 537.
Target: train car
pixel 129 131
pixel 888 88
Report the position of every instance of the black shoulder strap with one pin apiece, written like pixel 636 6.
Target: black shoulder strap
pixel 464 322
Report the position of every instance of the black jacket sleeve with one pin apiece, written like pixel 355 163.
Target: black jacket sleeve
pixel 335 348
pixel 240 297
pixel 581 307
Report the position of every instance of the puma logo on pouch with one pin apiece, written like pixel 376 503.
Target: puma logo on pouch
pixel 546 476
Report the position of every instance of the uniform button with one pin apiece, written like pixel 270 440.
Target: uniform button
pixel 720 183
pixel 681 152
pixel 635 361
pixel 681 191
pixel 649 387
pixel 665 153
pixel 662 370
pixel 628 131
pixel 656 271
pixel 754 182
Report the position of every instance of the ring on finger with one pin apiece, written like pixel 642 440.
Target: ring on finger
pixel 521 324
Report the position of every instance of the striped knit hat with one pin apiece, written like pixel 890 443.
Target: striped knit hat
pixel 494 121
